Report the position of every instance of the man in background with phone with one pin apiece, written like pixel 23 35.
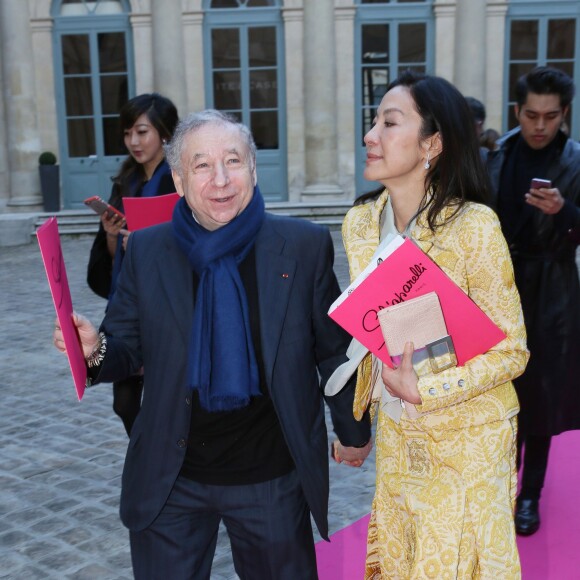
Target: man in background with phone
pixel 535 175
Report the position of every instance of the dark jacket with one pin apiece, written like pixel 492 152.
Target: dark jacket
pixel 148 323
pixel 547 279
pixel 100 267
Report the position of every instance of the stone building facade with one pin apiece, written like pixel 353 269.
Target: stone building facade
pixel 306 75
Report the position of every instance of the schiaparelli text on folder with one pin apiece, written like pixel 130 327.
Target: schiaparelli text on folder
pixel 399 272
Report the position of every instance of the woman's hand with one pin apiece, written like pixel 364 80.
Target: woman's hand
pixel 125 233
pixel 353 456
pixel 113 223
pixel 402 381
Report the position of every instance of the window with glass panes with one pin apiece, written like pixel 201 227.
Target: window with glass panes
pixel 94 78
pixel 390 37
pixel 541 34
pixel 244 62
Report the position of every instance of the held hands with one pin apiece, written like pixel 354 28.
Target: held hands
pixel 402 381
pixel 548 201
pixel 87 333
pixel 353 456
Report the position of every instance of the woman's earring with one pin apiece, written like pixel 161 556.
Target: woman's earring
pixel 164 141
pixel 427 164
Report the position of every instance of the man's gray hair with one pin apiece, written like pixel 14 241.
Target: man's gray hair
pixel 192 123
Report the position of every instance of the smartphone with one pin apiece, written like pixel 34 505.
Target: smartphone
pixel 100 206
pixel 538 183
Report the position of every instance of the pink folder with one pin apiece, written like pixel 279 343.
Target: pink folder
pixel 51 251
pixel 405 273
pixel 142 212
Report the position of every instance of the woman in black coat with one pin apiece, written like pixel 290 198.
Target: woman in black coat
pixel 147 122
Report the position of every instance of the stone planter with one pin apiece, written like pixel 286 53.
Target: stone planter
pixel 50 186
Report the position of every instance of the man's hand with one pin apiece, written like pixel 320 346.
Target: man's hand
pixel 548 201
pixel 402 381
pixel 87 333
pixel 353 456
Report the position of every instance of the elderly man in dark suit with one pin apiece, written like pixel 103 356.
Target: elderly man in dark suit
pixel 225 308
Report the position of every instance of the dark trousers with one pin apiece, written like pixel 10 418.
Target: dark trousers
pixel 535 464
pixel 268 525
pixel 127 400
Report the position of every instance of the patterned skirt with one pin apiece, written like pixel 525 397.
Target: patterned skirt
pixel 444 503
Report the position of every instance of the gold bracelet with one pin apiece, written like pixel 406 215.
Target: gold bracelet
pixel 97 356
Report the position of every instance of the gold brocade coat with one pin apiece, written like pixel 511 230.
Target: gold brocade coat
pixel 446 481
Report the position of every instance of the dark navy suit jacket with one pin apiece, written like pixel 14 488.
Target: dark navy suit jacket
pixel 148 324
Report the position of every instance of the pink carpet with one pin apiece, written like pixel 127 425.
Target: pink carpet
pixel 553 553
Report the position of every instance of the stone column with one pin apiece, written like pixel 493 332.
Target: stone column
pixel 4 195
pixel 194 66
pixel 22 137
pixel 470 47
pixel 444 38
pixel 345 110
pixel 168 52
pixel 294 66
pixel 495 63
pixel 321 153
pixel 143 44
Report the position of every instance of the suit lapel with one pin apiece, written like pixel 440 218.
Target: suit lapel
pixel 176 278
pixel 275 274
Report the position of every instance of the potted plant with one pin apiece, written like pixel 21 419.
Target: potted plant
pixel 49 181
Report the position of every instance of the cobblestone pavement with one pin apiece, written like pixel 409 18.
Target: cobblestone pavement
pixel 61 460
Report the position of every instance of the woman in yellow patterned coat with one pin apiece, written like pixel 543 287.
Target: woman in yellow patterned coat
pixel 446 477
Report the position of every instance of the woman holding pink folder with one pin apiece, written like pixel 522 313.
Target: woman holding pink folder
pixel 446 477
pixel 147 123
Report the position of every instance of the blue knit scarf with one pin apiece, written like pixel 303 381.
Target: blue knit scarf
pixel 222 362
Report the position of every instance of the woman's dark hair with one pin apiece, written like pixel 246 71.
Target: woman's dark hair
pixel 458 174
pixel 162 114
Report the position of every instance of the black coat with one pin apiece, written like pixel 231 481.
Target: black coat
pixel 547 279
pixel 100 267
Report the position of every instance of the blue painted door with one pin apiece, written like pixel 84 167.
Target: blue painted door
pixel 93 80
pixel 245 77
pixel 389 39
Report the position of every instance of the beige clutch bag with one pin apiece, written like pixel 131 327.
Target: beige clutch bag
pixel 420 321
